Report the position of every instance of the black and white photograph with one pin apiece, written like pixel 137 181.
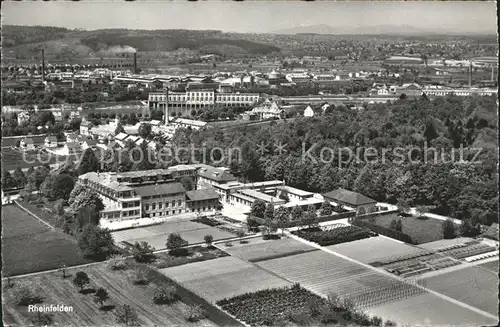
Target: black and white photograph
pixel 249 163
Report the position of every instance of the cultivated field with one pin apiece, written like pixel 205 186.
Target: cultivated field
pixel 326 274
pixel 258 249
pixel 157 235
pixel 474 286
pixel 430 310
pixel 374 249
pixel 11 141
pixel 121 289
pixel 223 278
pixel 30 246
pixel 445 243
pixel 420 231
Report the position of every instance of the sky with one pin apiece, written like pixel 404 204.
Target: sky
pixel 252 16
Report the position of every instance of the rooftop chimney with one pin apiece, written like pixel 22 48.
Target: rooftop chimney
pixel 43 66
pixel 135 63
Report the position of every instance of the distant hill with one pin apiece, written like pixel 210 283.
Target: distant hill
pixel 26 41
pixel 361 30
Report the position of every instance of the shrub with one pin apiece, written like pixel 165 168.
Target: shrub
pixel 25 295
pixel 193 313
pixel 165 294
pixel 175 242
pixel 208 240
pixel 117 262
pixel 240 233
pixel 377 321
pixel 140 276
pixel 389 323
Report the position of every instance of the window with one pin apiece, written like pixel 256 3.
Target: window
pixel 173 203
pixel 179 203
pixel 147 206
pixel 153 206
pixel 160 205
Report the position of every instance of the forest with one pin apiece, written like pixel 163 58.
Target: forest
pixel 461 183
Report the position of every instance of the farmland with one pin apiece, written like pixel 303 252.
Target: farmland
pixel 121 289
pixel 30 246
pixel 420 231
pixel 12 159
pixel 156 235
pixel 326 274
pixel 429 310
pixel 258 249
pixel 474 286
pixel 373 249
pixel 223 278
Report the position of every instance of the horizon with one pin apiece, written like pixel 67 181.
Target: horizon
pixel 262 17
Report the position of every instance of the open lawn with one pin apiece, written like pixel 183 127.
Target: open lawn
pixel 491 266
pixel 121 289
pixel 30 246
pixel 420 231
pixel 223 278
pixel 374 249
pixel 430 310
pixel 473 285
pixel 326 274
pixel 258 249
pixel 12 159
pixel 156 235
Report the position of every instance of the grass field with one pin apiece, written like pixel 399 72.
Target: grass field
pixel 326 274
pixel 474 286
pixel 420 231
pixel 57 290
pixel 223 278
pixel 258 249
pixel 12 159
pixel 429 310
pixel 30 246
pixel 156 235
pixel 491 266
pixel 373 249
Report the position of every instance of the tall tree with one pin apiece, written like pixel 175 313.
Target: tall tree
pixel 95 242
pixel 81 279
pixel 19 178
pixel 88 162
pixel 125 314
pixel 449 230
pixel 258 208
pixel 100 296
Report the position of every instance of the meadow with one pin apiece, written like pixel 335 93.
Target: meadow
pixel 30 246
pixel 472 285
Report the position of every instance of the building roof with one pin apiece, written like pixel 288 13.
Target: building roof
pixel 492 232
pixel 216 174
pixel 28 140
pixel 191 122
pixel 202 194
pixel 160 189
pixel 73 145
pixel 51 138
pixel 90 142
pixel 121 136
pixel 107 180
pixel 295 191
pixel 262 196
pixel 348 197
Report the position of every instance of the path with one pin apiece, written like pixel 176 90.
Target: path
pixel 31 213
pixel 444 297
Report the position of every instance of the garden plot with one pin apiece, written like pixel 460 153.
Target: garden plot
pixel 156 235
pixel 430 310
pixel 258 249
pixel 327 274
pixel 473 285
pixel 223 278
pixel 374 249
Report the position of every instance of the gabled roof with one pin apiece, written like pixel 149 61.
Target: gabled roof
pixel 73 145
pixel 121 136
pixel 160 189
pixel 348 197
pixel 216 174
pixel 202 194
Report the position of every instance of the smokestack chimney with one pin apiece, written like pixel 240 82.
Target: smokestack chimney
pixel 43 66
pixel 135 63
pixel 470 74
pixel 166 107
